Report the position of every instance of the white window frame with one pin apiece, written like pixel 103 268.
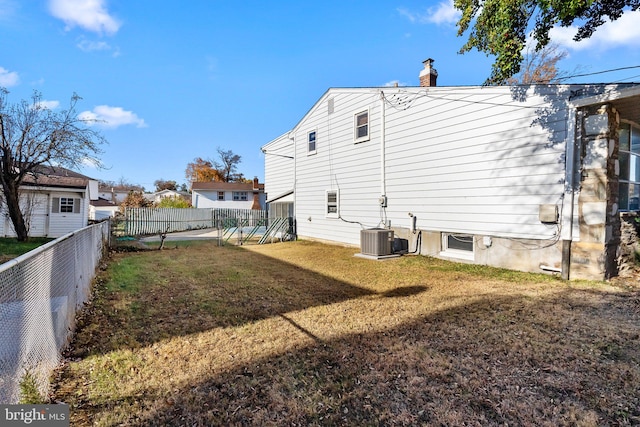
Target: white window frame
pixel 330 207
pixel 220 195
pixel 313 132
pixel 456 252
pixel 356 127
pixel 240 196
pixel 67 204
pixel 629 183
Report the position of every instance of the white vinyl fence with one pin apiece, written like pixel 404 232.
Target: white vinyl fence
pixel 40 293
pixel 146 221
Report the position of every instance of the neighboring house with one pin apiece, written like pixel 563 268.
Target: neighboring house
pixel 234 195
pixel 102 209
pixel 162 194
pixel 55 202
pixel 532 178
pixel 117 194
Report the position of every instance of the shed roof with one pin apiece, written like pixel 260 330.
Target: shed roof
pixel 56 176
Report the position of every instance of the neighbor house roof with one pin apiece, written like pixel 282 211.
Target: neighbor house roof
pixel 225 186
pixel 102 203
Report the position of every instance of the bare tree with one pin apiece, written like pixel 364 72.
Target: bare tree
pixel 541 66
pixel 162 184
pixel 32 136
pixel 228 165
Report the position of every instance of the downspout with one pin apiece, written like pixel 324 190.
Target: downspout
pixel 295 190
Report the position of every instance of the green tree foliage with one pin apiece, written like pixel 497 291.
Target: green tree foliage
pixel 173 202
pixel 32 136
pixel 500 27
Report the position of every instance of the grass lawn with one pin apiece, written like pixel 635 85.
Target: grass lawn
pixel 10 248
pixel 301 333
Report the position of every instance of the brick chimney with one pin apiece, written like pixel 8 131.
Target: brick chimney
pixel 429 74
pixel 256 194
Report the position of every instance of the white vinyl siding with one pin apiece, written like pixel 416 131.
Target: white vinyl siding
pixel 279 167
pixel 470 161
pixel 62 222
pixel 206 199
pixel 353 169
pixel 476 162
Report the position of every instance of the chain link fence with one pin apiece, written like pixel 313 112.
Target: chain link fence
pixel 40 293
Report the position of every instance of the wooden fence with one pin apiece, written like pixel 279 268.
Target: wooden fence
pixel 147 221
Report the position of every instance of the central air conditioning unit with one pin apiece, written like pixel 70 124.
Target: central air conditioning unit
pixel 376 242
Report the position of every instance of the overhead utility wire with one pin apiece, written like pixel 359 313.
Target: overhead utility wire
pixel 600 72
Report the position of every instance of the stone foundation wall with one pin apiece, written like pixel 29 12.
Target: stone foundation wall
pixel 629 253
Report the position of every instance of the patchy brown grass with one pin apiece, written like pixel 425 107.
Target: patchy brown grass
pixel 301 333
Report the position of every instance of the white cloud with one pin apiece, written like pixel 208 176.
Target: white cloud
pixel 90 46
pixel 111 117
pixel 443 13
pixel 623 32
pixel 50 105
pixel 92 15
pixel 8 78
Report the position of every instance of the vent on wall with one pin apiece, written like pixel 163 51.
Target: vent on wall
pixel 376 242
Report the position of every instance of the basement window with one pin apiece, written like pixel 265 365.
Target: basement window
pixel 361 126
pixel 457 246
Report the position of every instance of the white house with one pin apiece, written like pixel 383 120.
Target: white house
pixel 524 177
pixel 55 202
pixel 233 195
pixel 116 194
pixel 102 209
pixel 166 193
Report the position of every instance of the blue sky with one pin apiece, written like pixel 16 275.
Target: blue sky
pixel 172 81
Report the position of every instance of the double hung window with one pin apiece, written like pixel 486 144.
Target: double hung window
pixel 629 157
pixel 332 203
pixel 311 142
pixel 240 196
pixel 361 126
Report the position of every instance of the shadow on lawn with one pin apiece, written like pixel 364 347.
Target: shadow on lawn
pixel 226 287
pixel 503 360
